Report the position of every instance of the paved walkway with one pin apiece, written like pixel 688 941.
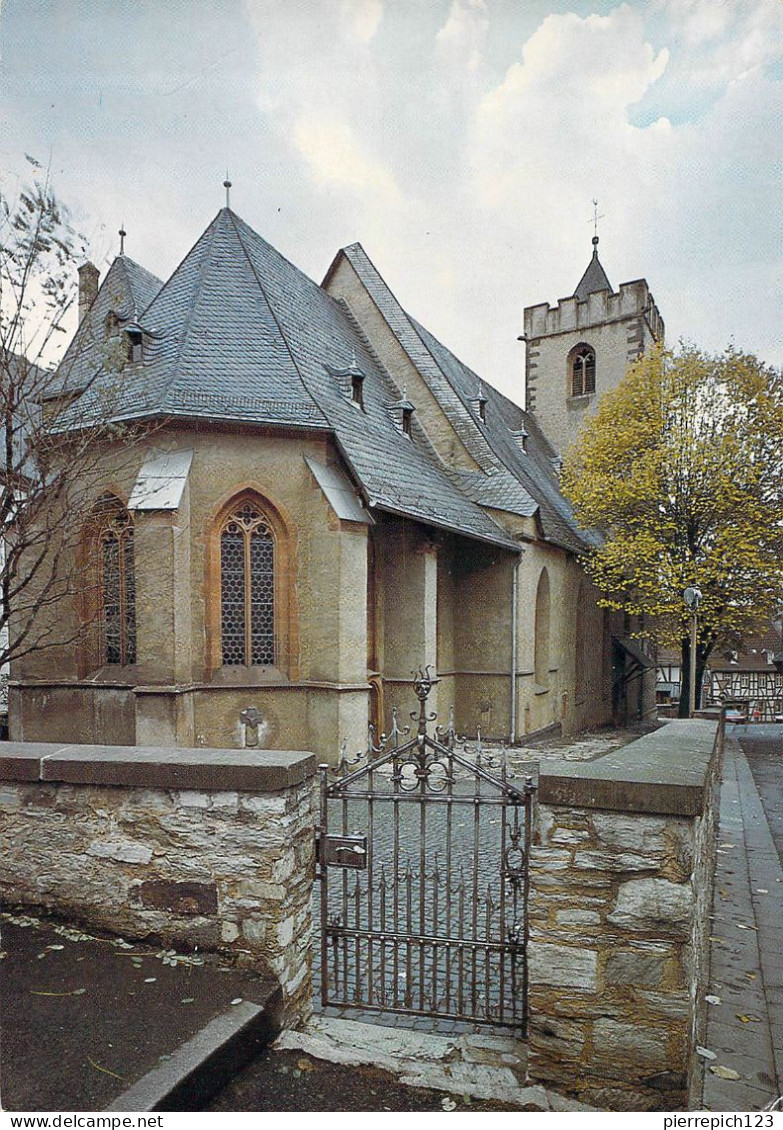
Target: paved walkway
pixel 745 1024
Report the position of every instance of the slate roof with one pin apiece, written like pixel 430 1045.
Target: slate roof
pixel 126 291
pixel 238 333
pixel 594 278
pixel 519 482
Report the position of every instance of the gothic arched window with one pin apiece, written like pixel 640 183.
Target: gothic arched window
pixel 116 582
pixel 247 587
pixel 582 370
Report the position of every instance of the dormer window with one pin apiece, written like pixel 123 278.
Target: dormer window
pixel 479 404
pixel 133 344
pixel 350 382
pixel 357 387
pixel 520 438
pixel 582 370
pixel 401 411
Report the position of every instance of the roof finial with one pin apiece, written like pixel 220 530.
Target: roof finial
pixel 227 186
pixel 594 222
pixel 122 234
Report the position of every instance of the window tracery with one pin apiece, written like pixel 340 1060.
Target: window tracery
pixel 247 587
pixel 582 370
pixel 117 583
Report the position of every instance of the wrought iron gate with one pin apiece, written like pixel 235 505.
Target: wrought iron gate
pixel 423 853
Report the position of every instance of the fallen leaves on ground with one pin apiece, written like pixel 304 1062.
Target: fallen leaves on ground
pixel 723 1072
pixel 105 1070
pixel 48 993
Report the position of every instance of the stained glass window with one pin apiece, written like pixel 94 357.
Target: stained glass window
pixel 247 588
pixel 117 584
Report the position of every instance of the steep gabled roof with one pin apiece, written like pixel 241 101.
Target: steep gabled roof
pixel 594 278
pixel 124 293
pixel 527 474
pixel 509 479
pixel 238 333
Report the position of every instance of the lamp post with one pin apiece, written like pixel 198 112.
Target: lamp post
pixel 692 598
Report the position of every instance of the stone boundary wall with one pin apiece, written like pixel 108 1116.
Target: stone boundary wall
pixel 198 848
pixel 620 891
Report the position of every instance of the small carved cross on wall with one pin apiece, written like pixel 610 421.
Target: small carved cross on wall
pixel 251 719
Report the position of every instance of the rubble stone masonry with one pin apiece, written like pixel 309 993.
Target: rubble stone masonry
pixel 620 891
pixel 200 848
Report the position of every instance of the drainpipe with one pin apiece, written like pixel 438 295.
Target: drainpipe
pixel 512 729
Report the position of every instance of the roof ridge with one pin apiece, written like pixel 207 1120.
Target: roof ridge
pixel 196 293
pixel 234 218
pixel 464 417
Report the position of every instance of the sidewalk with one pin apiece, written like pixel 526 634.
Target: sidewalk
pixel 745 1025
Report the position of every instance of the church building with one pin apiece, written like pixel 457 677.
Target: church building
pixel 326 500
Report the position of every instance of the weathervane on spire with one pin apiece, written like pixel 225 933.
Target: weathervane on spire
pixel 227 186
pixel 594 221
pixel 122 234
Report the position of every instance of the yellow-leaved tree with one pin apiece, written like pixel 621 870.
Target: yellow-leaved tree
pixel 681 473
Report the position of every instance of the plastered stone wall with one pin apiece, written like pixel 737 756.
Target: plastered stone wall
pixel 221 869
pixel 618 326
pixel 442 432
pixel 620 889
pixel 315 696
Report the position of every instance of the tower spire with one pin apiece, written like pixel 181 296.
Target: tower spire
pixel 227 186
pixel 122 233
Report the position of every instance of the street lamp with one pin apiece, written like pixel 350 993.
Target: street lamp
pixel 692 598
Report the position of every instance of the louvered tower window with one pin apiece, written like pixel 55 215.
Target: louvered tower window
pixel 582 371
pixel 247 584
pixel 117 584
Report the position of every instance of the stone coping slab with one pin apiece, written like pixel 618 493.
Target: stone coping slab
pixel 258 771
pixel 665 772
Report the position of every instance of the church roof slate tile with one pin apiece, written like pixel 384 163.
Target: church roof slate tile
pixel 511 480
pixel 594 278
pixel 237 333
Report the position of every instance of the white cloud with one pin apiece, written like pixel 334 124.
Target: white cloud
pixel 459 42
pixel 556 130
pixel 335 158
pixel 473 194
pixel 722 41
pixel 362 18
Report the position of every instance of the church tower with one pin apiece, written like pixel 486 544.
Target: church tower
pixel 580 348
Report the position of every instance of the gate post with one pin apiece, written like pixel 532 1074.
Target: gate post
pixel 621 881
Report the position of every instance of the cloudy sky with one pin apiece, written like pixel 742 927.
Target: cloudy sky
pixel 462 142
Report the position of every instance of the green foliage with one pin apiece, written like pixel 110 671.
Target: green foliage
pixel 681 471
